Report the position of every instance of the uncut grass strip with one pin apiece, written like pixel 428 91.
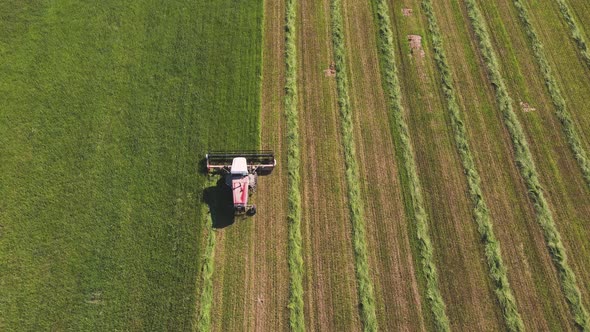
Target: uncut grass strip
pixel 296 317
pixel 365 284
pixel 575 31
pixel 206 302
pixel 568 126
pixel 528 170
pixel 400 131
pixel 497 268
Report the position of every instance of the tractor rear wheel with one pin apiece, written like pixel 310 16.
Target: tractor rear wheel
pixel 251 211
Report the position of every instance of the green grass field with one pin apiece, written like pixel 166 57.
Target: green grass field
pixel 106 110
pixel 409 154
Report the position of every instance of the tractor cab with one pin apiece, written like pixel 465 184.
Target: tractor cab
pixel 238 180
pixel 239 166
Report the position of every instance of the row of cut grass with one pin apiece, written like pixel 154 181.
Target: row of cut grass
pixel 400 302
pixel 527 168
pixel 497 268
pixel 208 265
pixel 576 34
pixel 561 110
pixel 530 269
pixel 296 318
pixel 401 133
pixel 365 284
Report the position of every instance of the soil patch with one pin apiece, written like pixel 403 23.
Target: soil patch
pixel 407 11
pixel 95 298
pixel 526 107
pixel 416 45
pixel 331 71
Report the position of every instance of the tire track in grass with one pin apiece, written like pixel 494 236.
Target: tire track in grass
pixel 365 284
pixel 528 171
pixel 296 317
pixel 497 268
pixel 400 128
pixel 568 126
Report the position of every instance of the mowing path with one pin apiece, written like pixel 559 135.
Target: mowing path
pixel 296 310
pixel 268 275
pixel 400 301
pixel 357 215
pixel 530 270
pixel 569 68
pixel 234 290
pixel 481 213
pixel 576 29
pixel 527 167
pixel 568 194
pixel 469 297
pixel 570 129
pixel 331 300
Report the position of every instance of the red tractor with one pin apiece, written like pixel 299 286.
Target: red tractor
pixel 241 170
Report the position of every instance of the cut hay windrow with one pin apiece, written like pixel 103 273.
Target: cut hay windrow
pixel 526 166
pixel 497 268
pixel 206 302
pixel 563 114
pixel 365 284
pixel 410 178
pixel 575 31
pixel 296 317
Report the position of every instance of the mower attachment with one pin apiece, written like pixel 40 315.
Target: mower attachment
pixel 259 162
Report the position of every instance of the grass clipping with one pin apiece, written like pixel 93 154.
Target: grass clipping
pixel 296 317
pixel 497 268
pixel 563 115
pixel 400 129
pixel 528 171
pixel 365 285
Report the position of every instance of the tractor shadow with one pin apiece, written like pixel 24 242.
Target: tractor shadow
pixel 220 202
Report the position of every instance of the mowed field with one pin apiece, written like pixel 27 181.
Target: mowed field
pixel 432 169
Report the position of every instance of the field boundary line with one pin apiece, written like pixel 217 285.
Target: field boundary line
pixel 296 305
pixel 575 31
pixel 526 166
pixel 207 269
pixel 561 110
pixel 365 284
pixel 400 132
pixel 497 268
